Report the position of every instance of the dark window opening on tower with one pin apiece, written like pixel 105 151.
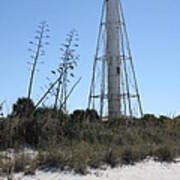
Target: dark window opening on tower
pixel 118 70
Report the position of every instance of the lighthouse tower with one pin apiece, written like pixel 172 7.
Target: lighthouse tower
pixel 114 90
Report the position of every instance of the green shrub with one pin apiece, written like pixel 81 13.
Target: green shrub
pixel 110 158
pixel 163 154
pixel 24 107
pixel 80 140
pixel 54 157
pixel 128 157
pixel 133 154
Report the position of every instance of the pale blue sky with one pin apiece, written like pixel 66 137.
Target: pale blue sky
pixel 154 32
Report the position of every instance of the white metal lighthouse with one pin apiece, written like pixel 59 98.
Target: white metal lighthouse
pixel 114 91
pixel 113 58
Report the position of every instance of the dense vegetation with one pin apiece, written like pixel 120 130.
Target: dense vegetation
pixel 81 140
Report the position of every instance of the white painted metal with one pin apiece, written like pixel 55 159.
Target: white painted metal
pixel 113 59
pixel 118 88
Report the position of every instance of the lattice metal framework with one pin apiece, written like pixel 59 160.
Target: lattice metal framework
pixel 114 89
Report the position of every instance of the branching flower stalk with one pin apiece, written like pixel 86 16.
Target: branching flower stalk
pixel 58 87
pixel 40 37
pixel 52 85
pixel 69 60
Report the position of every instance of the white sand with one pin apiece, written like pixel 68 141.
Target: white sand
pixel 147 170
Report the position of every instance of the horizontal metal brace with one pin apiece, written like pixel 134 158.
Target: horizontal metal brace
pixel 102 24
pixel 100 58
pixel 98 96
pixel 124 58
pixel 131 96
pixel 121 95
